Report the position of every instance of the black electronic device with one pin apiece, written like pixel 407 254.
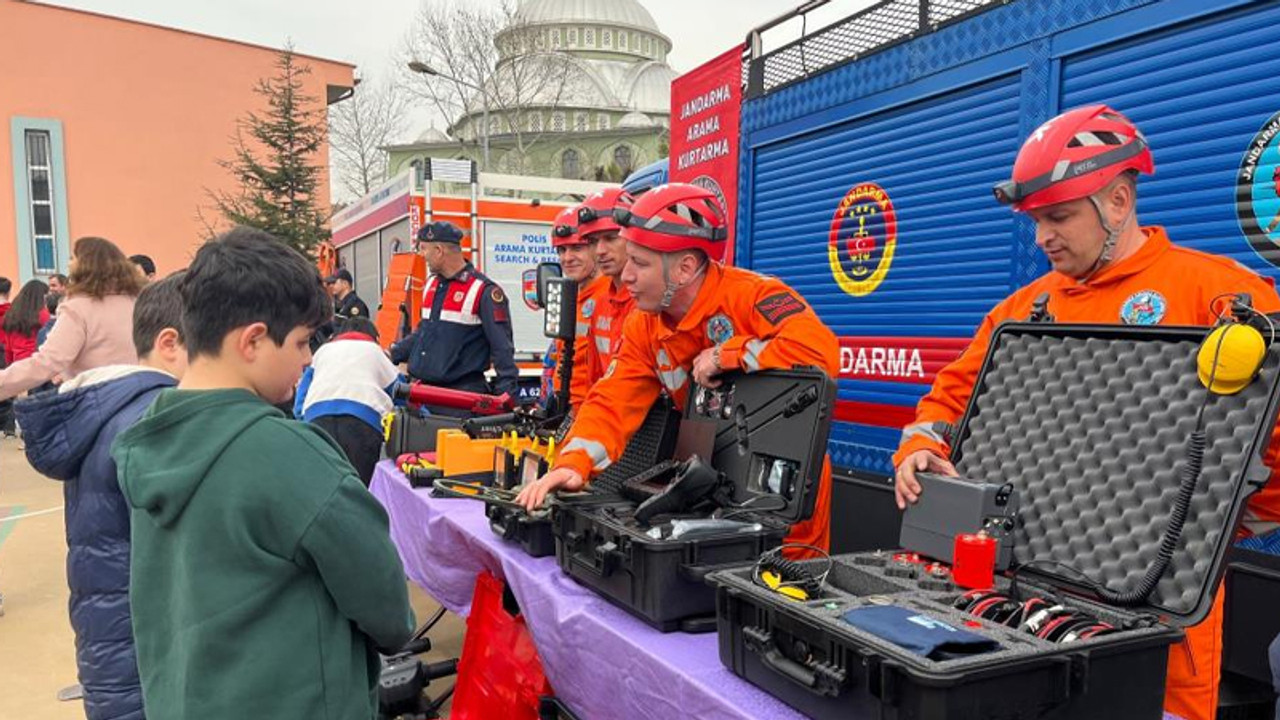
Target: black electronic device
pixel 404 677
pixel 694 484
pixel 951 506
pixel 651 446
pixel 763 439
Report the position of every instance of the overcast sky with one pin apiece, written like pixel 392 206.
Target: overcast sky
pixel 368 32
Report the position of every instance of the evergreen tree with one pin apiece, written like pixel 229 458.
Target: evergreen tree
pixel 277 166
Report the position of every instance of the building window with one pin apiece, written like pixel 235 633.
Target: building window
pixel 555 38
pixel 535 122
pixel 573 37
pixel 557 122
pixel 622 41
pixel 580 122
pixel 635 41
pixel 602 122
pixel 606 38
pixel 40 185
pixel 570 167
pixel 589 37
pixel 648 45
pixel 622 158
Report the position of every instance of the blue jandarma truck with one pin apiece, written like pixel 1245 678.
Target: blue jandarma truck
pixel 869 149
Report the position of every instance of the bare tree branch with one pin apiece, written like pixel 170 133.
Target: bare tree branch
pixel 488 58
pixel 358 129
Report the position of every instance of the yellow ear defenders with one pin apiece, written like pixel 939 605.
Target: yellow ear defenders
pixel 1233 352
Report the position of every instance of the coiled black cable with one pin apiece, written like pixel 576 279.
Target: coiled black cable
pixel 793 573
pixel 1194 452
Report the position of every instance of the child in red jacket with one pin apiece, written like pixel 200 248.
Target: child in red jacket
pixel 23 321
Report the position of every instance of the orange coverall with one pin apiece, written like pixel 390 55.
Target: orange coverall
pixel 591 298
pixel 1186 280
pixel 768 326
pixel 616 305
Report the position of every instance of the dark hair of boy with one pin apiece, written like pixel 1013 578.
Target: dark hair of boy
pixel 59 277
pixel 247 276
pixel 101 270
pixel 6 286
pixel 23 317
pixel 144 263
pixel 159 306
pixel 360 325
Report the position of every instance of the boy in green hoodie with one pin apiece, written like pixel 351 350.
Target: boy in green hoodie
pixel 264 580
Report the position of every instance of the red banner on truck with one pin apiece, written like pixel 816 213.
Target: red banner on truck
pixel 705 104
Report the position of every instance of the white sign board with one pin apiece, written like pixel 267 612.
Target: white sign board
pixel 511 248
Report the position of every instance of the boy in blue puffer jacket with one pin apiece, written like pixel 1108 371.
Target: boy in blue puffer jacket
pixel 68 436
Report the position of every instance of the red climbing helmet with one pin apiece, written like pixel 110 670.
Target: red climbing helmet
pixel 676 217
pixel 564 232
pixel 595 214
pixel 1072 156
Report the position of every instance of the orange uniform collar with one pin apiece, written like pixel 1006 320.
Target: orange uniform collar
pixel 1154 246
pixel 703 305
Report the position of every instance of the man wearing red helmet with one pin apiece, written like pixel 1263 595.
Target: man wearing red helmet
pixel 578 262
pixel 596 224
pixel 1076 176
pixel 696 319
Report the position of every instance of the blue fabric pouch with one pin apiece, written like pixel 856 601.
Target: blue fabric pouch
pixel 916 632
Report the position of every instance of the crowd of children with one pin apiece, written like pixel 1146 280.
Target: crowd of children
pixel 222 556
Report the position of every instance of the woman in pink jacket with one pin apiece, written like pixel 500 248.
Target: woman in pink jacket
pixel 95 321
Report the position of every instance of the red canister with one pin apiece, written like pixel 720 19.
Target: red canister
pixel 974 561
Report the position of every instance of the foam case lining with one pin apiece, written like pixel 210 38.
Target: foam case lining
pixel 1090 424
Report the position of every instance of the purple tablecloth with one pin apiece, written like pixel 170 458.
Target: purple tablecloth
pixel 602 662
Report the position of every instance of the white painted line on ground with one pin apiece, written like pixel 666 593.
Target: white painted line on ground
pixel 46 511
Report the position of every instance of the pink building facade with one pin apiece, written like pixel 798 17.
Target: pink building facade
pixel 115 128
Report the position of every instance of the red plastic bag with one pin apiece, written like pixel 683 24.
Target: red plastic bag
pixel 499 673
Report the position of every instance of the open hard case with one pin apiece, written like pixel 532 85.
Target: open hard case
pixel 1090 425
pixel 767 434
pixel 652 443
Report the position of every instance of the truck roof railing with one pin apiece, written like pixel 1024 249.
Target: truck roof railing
pixel 868 31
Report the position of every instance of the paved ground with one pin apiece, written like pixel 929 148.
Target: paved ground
pixel 37 648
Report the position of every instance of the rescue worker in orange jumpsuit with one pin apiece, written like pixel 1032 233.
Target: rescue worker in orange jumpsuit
pixel 695 319
pixel 614 303
pixel 1076 177
pixel 578 262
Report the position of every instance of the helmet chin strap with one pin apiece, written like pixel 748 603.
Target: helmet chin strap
pixel 672 288
pixel 1108 245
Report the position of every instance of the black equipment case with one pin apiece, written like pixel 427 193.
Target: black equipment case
pixel 760 429
pixel 1090 424
pixel 653 442
pixel 412 433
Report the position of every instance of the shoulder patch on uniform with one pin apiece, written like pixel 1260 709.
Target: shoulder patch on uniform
pixel 719 329
pixel 779 307
pixel 495 294
pixel 1146 307
pixel 355 310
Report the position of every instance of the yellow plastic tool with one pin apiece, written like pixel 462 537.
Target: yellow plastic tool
pixel 459 454
pixel 774 581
